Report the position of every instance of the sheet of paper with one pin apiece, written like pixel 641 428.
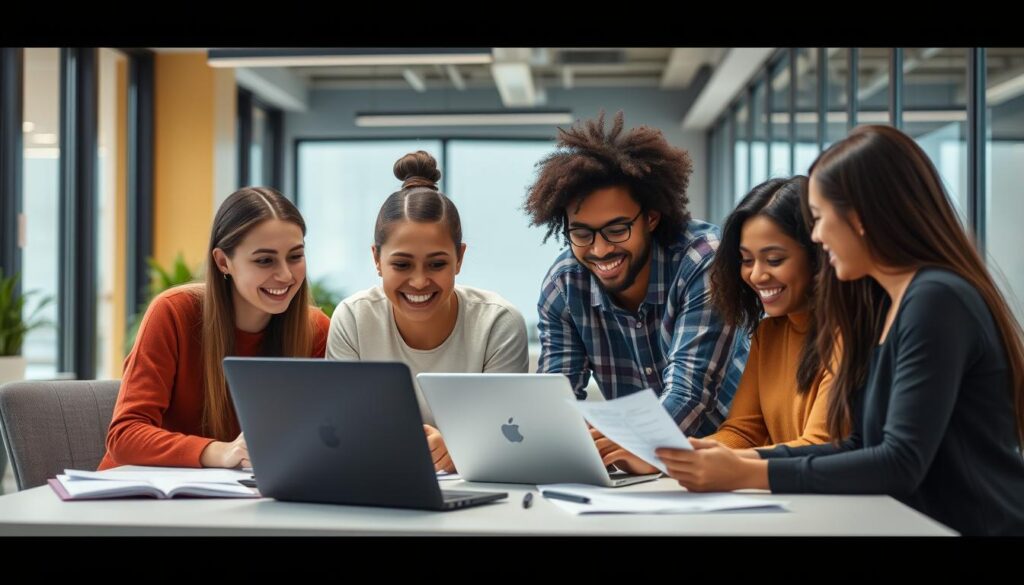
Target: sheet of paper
pixel 676 501
pixel 445 476
pixel 80 487
pixel 638 423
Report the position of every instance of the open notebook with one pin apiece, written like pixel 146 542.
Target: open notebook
pixel 152 482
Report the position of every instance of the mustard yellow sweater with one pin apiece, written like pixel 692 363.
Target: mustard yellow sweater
pixel 766 409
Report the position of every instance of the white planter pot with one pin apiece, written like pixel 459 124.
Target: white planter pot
pixel 12 368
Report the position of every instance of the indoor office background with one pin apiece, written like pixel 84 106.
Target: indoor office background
pixel 113 159
pixel 965 107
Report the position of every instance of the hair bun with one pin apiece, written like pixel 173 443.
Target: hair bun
pixel 413 182
pixel 417 169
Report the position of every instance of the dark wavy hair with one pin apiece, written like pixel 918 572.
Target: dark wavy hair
pixel 779 201
pixel 587 159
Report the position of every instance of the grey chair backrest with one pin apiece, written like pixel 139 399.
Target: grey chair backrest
pixel 55 425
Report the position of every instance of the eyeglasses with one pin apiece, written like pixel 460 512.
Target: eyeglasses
pixel 614 233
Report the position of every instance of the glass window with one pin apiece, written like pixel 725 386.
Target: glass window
pixel 759 142
pixel 780 163
pixel 873 85
pixel 724 153
pixel 111 198
pixel 1004 91
pixel 838 81
pixel 806 107
pixel 341 186
pixel 487 180
pixel 935 113
pixel 41 202
pixel 257 176
pixel 741 184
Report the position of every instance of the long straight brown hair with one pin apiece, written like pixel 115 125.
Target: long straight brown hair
pixel 887 179
pixel 287 335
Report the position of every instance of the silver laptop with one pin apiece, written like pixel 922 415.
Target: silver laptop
pixel 517 428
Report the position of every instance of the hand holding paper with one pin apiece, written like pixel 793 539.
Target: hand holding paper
pixel 638 423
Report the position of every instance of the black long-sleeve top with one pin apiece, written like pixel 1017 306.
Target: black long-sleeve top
pixel 934 425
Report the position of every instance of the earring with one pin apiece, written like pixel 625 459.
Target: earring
pixel 225 276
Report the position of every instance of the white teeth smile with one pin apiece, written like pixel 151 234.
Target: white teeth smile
pixel 609 266
pixel 417 298
pixel 767 293
pixel 277 291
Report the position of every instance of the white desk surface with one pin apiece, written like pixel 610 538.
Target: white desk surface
pixel 39 511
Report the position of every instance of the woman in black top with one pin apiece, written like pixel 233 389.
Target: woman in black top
pixel 931 376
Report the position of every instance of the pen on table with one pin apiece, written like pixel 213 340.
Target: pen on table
pixel 528 500
pixel 567 497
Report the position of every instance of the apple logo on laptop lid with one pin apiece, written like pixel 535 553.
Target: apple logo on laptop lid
pixel 511 431
pixel 329 434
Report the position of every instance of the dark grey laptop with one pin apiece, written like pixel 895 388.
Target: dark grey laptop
pixel 338 432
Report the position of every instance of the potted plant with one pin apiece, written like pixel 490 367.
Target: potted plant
pixel 159 281
pixel 14 325
pixel 324 296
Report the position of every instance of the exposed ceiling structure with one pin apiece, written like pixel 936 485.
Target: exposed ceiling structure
pixel 544 67
pixel 522 76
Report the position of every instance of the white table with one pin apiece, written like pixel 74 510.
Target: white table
pixel 39 511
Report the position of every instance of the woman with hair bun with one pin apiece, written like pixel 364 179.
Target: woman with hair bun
pixel 418 315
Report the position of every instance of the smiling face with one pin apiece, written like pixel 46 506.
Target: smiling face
pixel 840 235
pixel 618 265
pixel 775 266
pixel 418 264
pixel 267 269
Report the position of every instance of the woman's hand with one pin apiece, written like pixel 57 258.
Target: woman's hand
pixel 712 467
pixel 438 450
pixel 228 455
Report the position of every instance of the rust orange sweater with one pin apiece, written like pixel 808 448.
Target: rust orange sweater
pixel 767 409
pixel 158 414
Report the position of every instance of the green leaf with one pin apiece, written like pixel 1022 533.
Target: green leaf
pixel 182 273
pixel 325 298
pixel 14 325
pixel 160 279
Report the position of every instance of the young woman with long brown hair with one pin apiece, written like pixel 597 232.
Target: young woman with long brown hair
pixel 173 408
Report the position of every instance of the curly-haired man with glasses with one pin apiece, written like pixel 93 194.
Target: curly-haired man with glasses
pixel 629 301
